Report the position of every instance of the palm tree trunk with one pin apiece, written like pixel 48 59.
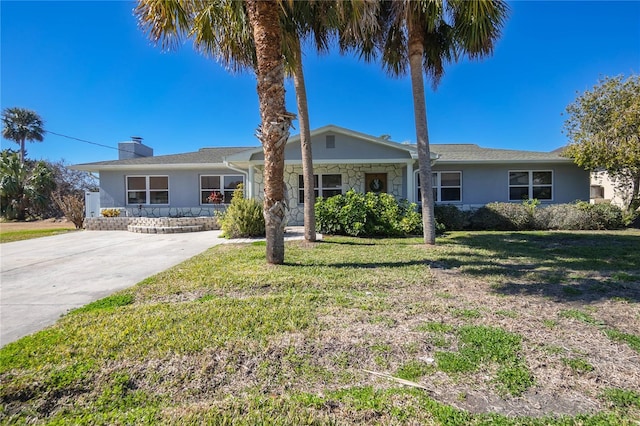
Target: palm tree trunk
pixel 275 121
pixel 305 146
pixel 22 141
pixel 422 135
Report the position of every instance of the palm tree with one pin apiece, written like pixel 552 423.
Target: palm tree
pixel 21 125
pixel 300 20
pixel 24 187
pixel 425 35
pixel 241 35
pixel 223 33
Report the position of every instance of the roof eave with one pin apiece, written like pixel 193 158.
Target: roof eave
pixel 558 161
pixel 155 166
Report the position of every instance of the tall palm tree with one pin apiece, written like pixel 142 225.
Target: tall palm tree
pixel 300 20
pixel 241 35
pixel 21 125
pixel 424 36
pixel 224 33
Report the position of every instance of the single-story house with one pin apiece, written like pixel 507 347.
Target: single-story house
pixel 466 175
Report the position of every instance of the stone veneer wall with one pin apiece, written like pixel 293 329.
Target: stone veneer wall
pixel 353 176
pixel 173 212
pixel 121 223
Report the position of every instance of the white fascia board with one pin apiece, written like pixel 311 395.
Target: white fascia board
pixel 558 161
pixel 402 161
pixel 158 166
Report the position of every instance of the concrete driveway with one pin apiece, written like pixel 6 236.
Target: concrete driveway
pixel 41 279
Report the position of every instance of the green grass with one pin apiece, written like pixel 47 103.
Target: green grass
pixel 578 365
pixel 11 236
pixel 479 346
pixel 225 339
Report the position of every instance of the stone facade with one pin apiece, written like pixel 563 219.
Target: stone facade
pixel 353 177
pixel 159 225
pixel 173 212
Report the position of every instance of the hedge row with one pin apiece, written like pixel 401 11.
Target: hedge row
pixel 530 216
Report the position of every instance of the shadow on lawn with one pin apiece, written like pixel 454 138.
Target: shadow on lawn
pixel 561 265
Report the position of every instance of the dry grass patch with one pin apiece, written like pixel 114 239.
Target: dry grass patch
pixel 221 338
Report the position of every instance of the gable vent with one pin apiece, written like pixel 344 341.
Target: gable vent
pixel 331 141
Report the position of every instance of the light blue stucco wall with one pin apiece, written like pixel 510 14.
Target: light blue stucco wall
pixel 482 184
pixel 184 186
pixel 346 148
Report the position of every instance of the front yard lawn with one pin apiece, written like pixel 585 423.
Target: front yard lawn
pixel 502 328
pixel 11 236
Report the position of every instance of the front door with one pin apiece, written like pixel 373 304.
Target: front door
pixel 375 182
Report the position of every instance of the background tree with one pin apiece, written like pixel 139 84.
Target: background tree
pixel 25 187
pixel 21 125
pixel 603 125
pixel 71 186
pixel 423 36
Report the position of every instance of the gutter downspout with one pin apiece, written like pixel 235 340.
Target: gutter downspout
pixel 248 193
pixel 410 182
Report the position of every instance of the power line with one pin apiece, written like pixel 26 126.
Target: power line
pixel 89 142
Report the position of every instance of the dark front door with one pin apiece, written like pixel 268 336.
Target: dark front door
pixel 375 182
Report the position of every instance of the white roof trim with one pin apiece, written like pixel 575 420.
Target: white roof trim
pixel 157 166
pixel 551 160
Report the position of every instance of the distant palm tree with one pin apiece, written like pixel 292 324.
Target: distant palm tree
pixel 21 125
pixel 425 35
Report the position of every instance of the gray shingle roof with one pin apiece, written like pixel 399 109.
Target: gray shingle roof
pixel 448 153
pixel 471 153
pixel 202 156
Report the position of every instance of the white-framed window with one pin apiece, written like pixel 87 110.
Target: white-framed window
pixel 323 186
pixel 218 188
pixel 447 187
pixel 529 184
pixel 147 189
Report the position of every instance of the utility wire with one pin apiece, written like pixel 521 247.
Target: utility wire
pixel 89 142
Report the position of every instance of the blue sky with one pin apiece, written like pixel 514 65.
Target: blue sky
pixel 88 70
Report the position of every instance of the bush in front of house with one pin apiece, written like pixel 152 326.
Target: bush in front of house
pixel 110 212
pixel 528 215
pixel 72 206
pixel 503 217
pixel 579 216
pixel 243 218
pixel 369 214
pixel 451 218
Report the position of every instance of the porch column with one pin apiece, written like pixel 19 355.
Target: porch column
pixel 250 183
pixel 411 190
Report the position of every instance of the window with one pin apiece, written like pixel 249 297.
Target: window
pixel 324 186
pixel 147 190
pixel 597 192
pixel 221 185
pixel 528 184
pixel 447 187
pixel 331 141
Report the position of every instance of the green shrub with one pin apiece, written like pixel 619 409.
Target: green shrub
pixel 243 218
pixel 451 217
pixel 603 216
pixel 369 214
pixel 528 216
pixel 503 217
pixel 579 215
pixel 110 212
